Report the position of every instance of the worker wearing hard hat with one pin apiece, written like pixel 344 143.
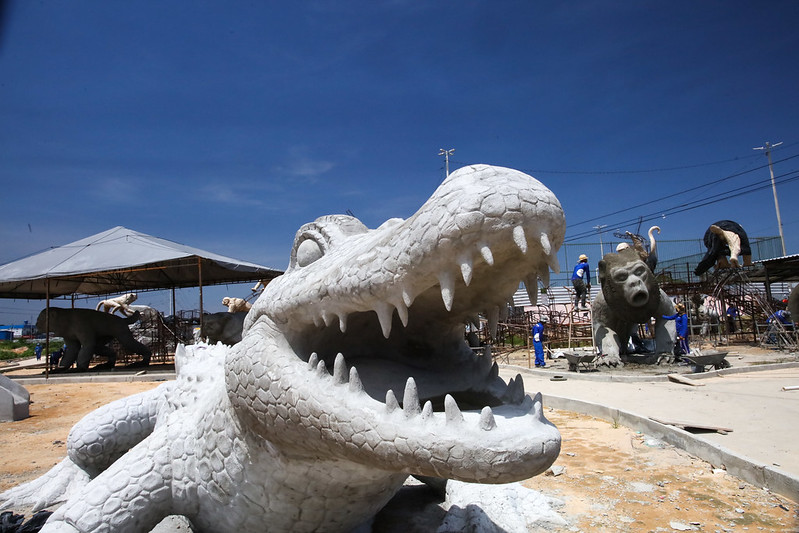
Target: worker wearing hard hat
pixel 581 279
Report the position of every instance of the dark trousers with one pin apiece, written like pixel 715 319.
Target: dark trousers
pixel 580 292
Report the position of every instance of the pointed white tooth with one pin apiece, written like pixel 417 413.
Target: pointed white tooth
pixel 452 411
pixel 312 361
pixel 520 239
pixel 391 402
pixel 475 321
pixel 487 422
pixel 531 285
pixel 516 390
pixel 410 400
pixel 545 244
pixel 342 322
pixel 485 251
pixel 355 381
pixel 427 410
pixel 402 312
pixel 327 318
pixel 543 275
pixel 495 370
pixel 317 321
pixel 340 372
pixel 466 269
pixel 538 405
pixel 321 369
pixel 447 282
pixel 407 297
pixel 493 320
pixel 385 313
pixel 504 312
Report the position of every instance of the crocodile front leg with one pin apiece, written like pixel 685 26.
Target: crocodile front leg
pixel 131 496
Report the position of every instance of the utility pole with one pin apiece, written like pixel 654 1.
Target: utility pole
pixel 599 229
pixel 767 149
pixel 446 154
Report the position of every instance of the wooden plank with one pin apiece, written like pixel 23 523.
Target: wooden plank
pixel 692 425
pixel 678 378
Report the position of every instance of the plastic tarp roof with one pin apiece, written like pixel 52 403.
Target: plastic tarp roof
pixel 122 260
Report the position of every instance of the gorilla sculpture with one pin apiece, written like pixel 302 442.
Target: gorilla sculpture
pixel 629 296
pixel 86 332
pixel 223 327
pixel 724 238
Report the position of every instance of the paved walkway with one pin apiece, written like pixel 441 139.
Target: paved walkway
pixel 764 418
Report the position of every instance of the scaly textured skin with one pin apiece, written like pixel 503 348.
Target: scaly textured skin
pixel 275 441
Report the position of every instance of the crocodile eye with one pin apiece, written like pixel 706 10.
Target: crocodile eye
pixel 307 252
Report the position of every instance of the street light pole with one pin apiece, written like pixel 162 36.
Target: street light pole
pixel 767 149
pixel 599 229
pixel 446 154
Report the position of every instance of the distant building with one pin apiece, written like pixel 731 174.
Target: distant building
pixel 17 331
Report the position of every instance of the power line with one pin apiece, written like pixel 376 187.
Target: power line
pixel 701 202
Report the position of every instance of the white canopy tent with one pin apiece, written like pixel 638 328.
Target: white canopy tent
pixel 122 260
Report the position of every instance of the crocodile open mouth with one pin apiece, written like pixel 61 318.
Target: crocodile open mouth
pixel 364 334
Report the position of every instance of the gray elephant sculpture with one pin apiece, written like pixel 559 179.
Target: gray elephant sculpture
pixel 629 296
pixel 87 332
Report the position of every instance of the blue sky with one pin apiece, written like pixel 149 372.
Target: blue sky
pixel 227 125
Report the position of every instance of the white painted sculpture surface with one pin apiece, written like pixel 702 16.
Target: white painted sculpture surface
pixel 120 303
pixel 269 438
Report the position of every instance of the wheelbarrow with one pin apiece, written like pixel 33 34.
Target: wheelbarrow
pixel 714 358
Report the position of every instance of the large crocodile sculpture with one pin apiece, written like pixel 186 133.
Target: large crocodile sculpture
pixel 271 440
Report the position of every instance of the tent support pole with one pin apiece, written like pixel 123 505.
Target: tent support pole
pixel 200 280
pixel 47 335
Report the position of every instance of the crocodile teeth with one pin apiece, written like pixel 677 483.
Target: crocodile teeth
pixel 410 400
pixel 321 369
pixel 402 311
pixel 494 370
pixel 317 321
pixel 466 269
pixel 327 318
pixel 407 297
pixel 452 411
pixel 356 385
pixel 485 251
pixel 545 244
pixel 503 312
pixel 516 390
pixel 531 284
pixel 493 320
pixel 538 405
pixel 384 315
pixel 427 410
pixel 487 422
pixel 312 361
pixel 340 373
pixel 391 402
pixel 520 239
pixel 552 261
pixel 447 282
pixel 543 275
pixel 342 322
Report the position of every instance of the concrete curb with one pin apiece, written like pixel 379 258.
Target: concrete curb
pixel 94 378
pixel 598 376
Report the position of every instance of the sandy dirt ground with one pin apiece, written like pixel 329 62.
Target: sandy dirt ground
pixel 609 478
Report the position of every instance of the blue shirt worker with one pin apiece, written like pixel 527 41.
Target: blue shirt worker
pixel 783 316
pixel 681 321
pixel 732 315
pixel 538 341
pixel 581 280
pixel 38 351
